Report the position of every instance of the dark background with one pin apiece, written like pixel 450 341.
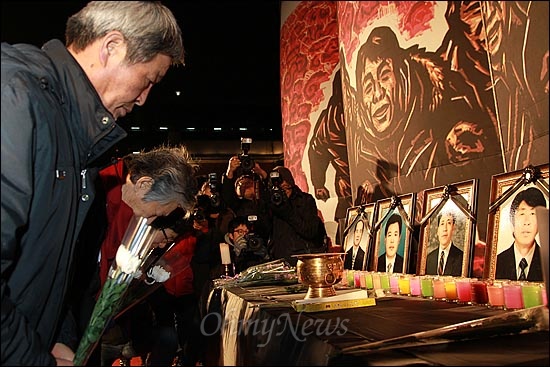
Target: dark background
pixel 230 79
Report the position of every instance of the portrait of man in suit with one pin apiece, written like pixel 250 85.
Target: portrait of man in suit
pixel 521 260
pixel 355 255
pixel 391 261
pixel 445 259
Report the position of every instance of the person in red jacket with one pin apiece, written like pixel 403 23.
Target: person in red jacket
pixel 150 184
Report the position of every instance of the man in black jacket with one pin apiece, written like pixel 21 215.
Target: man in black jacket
pixel 296 225
pixel 59 107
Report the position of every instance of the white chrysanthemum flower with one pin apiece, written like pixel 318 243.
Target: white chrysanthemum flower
pixel 127 263
pixel 158 274
pixel 137 274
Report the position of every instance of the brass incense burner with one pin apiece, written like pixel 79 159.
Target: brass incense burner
pixel 320 272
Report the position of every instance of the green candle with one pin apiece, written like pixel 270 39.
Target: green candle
pixel 368 280
pixel 532 295
pixel 351 278
pixel 385 282
pixel 426 287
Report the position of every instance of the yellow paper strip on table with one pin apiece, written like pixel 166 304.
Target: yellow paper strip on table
pixel 342 301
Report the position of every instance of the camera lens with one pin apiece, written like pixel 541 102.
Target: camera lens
pixel 254 242
pixel 276 197
pixel 246 163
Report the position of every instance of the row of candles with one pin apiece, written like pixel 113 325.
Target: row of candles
pixel 499 294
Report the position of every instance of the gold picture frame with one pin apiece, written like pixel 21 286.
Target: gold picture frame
pixel 363 215
pixel 394 212
pixel 505 189
pixel 459 202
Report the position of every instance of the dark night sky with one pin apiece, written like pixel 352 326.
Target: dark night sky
pixel 231 77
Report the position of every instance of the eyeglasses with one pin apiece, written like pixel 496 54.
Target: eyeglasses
pixel 166 238
pixel 240 231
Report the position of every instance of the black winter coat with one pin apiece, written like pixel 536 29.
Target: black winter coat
pixel 53 128
pixel 296 227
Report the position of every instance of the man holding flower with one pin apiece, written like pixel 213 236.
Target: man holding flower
pixel 60 106
pixel 149 185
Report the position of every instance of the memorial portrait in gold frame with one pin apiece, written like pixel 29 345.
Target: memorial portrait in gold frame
pixel 448 228
pixel 393 233
pixel 514 195
pixel 358 236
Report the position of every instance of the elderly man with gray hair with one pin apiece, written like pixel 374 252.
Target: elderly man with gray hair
pixel 60 104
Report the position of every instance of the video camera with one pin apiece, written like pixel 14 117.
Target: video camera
pixel 277 193
pixel 247 163
pixel 253 241
pixel 213 183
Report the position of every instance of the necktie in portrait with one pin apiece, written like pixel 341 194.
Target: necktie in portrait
pixel 522 266
pixel 440 268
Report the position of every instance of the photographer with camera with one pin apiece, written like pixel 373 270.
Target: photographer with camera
pixel 244 189
pixel 247 249
pixel 296 226
pixel 215 206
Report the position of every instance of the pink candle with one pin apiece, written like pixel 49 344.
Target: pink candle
pixel 464 290
pixel 495 292
pixel 394 283
pixel 513 298
pixel 362 279
pixel 439 288
pixel 415 286
pixel 357 279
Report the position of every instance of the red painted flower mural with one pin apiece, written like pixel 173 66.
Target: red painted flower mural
pixel 413 18
pixel 309 54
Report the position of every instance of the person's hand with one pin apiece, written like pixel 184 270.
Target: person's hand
pixel 322 194
pixel 259 170
pixel 234 163
pixel 63 355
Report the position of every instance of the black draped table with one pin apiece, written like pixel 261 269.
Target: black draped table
pixel 259 326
